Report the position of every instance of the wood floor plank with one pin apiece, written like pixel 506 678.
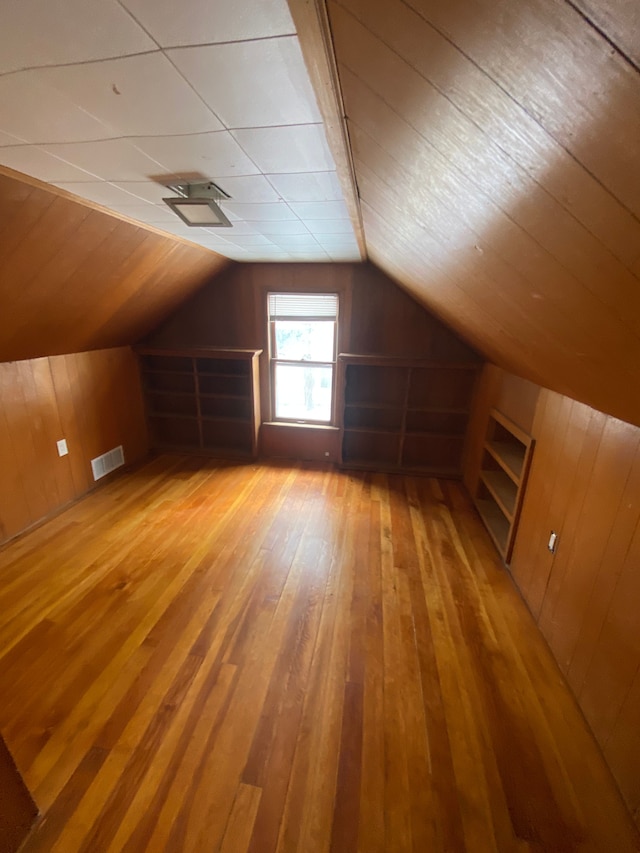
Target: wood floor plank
pixel 281 658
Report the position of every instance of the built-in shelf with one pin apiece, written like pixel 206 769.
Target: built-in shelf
pixel 404 414
pixel 202 399
pixel 503 474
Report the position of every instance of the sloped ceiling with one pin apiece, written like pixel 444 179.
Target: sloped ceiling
pixel 75 278
pixel 497 153
pixel 494 144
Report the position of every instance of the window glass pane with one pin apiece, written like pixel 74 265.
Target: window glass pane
pixel 304 340
pixel 303 393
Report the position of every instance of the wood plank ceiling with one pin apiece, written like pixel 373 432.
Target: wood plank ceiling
pixel 495 148
pixel 496 153
pixel 74 278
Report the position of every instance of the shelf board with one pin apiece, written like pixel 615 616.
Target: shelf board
pixel 200 352
pixel 503 490
pixel 372 430
pixel 155 371
pixel 495 522
pixel 437 410
pixel 242 376
pixel 168 393
pixel 390 468
pixel 365 404
pixel 509 456
pixel 398 361
pixel 173 416
pixel 411 433
pixel 225 419
pixel 210 396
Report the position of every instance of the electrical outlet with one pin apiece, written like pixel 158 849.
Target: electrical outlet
pixel 62 447
pixel 553 539
pixel 326 453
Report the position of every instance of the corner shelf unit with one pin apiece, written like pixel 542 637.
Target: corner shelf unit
pixel 506 458
pixel 202 399
pixel 404 414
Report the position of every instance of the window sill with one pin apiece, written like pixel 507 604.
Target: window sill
pixel 301 425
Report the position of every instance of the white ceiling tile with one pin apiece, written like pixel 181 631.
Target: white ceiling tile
pixel 211 242
pixel 351 256
pixel 295 148
pixel 248 188
pixel 344 241
pixel 329 226
pixel 39 164
pixel 8 139
pixel 251 83
pixel 248 241
pixel 312 257
pixel 99 191
pixel 111 159
pixel 279 228
pixel 238 227
pixel 260 212
pixel 296 241
pixel 134 96
pixel 320 209
pixel 235 253
pixel 151 213
pixel 204 22
pixel 147 190
pixel 51 32
pixel 307 186
pixel 34 111
pixel 179 229
pixel 198 155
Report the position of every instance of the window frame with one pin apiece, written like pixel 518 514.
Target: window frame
pixel 274 361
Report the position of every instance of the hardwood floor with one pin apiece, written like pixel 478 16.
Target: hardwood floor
pixel 270 658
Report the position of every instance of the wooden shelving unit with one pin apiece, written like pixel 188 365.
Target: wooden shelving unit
pixel 203 399
pixel 503 474
pixel 404 415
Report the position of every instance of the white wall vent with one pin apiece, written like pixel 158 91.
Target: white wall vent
pixel 108 462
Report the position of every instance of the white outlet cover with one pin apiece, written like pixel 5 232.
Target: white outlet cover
pixel 62 447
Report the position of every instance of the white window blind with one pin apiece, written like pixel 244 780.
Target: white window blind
pixel 300 305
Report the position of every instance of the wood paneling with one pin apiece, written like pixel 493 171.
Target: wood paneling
pixel 17 809
pixel 494 149
pixel 286 441
pixel 289 659
pixel 584 484
pixel 376 316
pixel 74 277
pixel 92 399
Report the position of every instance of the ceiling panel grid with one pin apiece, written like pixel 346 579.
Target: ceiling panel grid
pixel 114 100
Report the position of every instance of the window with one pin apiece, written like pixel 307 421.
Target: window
pixel 303 340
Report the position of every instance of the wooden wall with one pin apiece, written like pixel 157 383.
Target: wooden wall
pixel 377 317
pixel 584 484
pixel 92 399
pixel 74 277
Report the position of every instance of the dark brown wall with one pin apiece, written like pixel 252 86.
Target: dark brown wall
pixel 74 277
pixel 92 399
pixel 584 484
pixel 17 809
pixel 380 318
pixel 377 318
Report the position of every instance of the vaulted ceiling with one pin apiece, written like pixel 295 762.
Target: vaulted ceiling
pixel 484 154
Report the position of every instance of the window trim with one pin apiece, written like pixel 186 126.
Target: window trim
pixel 273 360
